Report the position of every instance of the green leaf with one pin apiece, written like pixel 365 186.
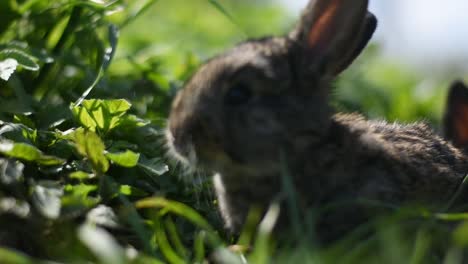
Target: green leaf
pixel 126 159
pixel 81 190
pixel 39 55
pixel 46 198
pixel 129 190
pixel 117 109
pixel 104 115
pixel 7 68
pixel 118 106
pixel 28 152
pixel 18 133
pixel 86 119
pixel 27 61
pixel 102 244
pixel 79 175
pixel 48 160
pixel 20 150
pixel 460 235
pixel 25 120
pixel 90 145
pixel 30 134
pixel 132 122
pixel 17 207
pixel 153 166
pixel 11 171
pixel 11 256
pixel 102 216
pixel 78 197
pixel 98 116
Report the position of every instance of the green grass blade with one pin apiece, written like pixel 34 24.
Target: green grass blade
pixel 181 210
pixel 164 245
pixel 135 14
pixel 199 247
pixel 113 36
pixel 223 10
pixel 174 237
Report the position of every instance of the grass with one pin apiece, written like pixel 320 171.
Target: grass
pixel 83 173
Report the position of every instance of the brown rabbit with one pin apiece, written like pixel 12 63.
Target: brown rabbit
pixel 455 125
pixel 260 111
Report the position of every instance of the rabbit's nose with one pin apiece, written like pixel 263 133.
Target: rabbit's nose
pixel 181 137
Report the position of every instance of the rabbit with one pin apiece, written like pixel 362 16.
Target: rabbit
pixel 455 121
pixel 260 111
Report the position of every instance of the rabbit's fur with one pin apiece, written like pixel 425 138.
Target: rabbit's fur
pixel 260 111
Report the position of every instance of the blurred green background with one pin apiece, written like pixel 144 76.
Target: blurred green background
pixel 179 33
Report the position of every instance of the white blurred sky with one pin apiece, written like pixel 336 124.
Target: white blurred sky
pixel 428 34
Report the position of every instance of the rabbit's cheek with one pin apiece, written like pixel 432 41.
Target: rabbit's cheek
pixel 262 122
pixel 209 157
pixel 181 152
pixel 251 135
pixel 182 134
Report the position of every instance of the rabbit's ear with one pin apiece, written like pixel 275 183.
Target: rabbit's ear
pixel 334 32
pixel 456 115
pixel 367 30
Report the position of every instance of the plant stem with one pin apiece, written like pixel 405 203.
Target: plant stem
pixel 72 24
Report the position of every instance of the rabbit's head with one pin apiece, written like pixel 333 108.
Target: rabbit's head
pixel 455 125
pixel 241 107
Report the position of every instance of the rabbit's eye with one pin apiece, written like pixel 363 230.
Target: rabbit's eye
pixel 238 94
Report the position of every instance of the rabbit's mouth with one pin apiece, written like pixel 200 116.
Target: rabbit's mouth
pixel 205 156
pixel 211 157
